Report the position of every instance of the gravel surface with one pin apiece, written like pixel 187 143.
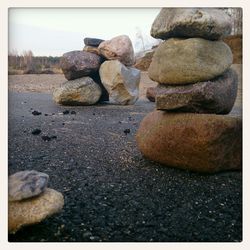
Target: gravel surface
pixel 113 194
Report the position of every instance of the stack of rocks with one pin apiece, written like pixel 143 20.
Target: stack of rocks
pixel 101 72
pixel 196 89
pixel 30 201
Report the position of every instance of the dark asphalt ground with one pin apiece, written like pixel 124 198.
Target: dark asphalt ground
pixel 111 192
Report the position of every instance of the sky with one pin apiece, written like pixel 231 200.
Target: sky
pixel 54 31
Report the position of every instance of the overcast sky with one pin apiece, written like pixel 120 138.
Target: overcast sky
pixel 52 32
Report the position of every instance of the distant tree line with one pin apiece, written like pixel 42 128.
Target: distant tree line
pixel 28 63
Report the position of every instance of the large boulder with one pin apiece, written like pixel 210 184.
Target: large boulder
pixel 184 61
pixel 118 48
pixel 214 96
pixel 76 64
pixel 34 210
pixel 26 184
pixel 94 42
pixel 81 91
pixel 208 23
pixel 198 142
pixel 122 83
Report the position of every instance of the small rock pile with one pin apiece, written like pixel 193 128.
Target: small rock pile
pixel 30 201
pixel 102 72
pixel 196 88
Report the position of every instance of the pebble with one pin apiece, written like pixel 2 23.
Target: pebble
pixel 36 112
pixel 46 138
pixel 65 112
pixel 126 131
pixel 36 131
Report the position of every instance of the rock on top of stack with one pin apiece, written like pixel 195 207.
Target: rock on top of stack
pixel 206 23
pixel 26 184
pixel 118 48
pixel 94 42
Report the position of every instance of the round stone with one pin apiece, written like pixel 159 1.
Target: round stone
pixel 205 143
pixel 184 61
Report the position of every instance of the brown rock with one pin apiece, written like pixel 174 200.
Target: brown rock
pixel 34 210
pixel 76 64
pixel 215 96
pixel 208 23
pixel 91 49
pixel 143 63
pixel 184 61
pixel 118 48
pixel 235 44
pixel 197 142
pixel 151 94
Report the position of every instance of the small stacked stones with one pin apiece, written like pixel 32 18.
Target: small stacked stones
pixel 30 201
pixel 196 84
pixel 100 73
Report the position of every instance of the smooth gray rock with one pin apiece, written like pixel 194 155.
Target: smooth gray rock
pixel 122 83
pixel 215 96
pixel 208 23
pixel 78 92
pixel 184 61
pixel 94 42
pixel 76 64
pixel 26 184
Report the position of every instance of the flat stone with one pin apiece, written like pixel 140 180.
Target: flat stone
pixel 78 92
pixel 118 48
pixel 26 184
pixel 184 61
pixel 121 82
pixel 76 64
pixel 91 49
pixel 215 96
pixel 208 23
pixel 94 42
pixel 34 210
pixel 205 143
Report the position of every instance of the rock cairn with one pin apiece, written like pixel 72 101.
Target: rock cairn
pixel 102 72
pixel 30 201
pixel 196 89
